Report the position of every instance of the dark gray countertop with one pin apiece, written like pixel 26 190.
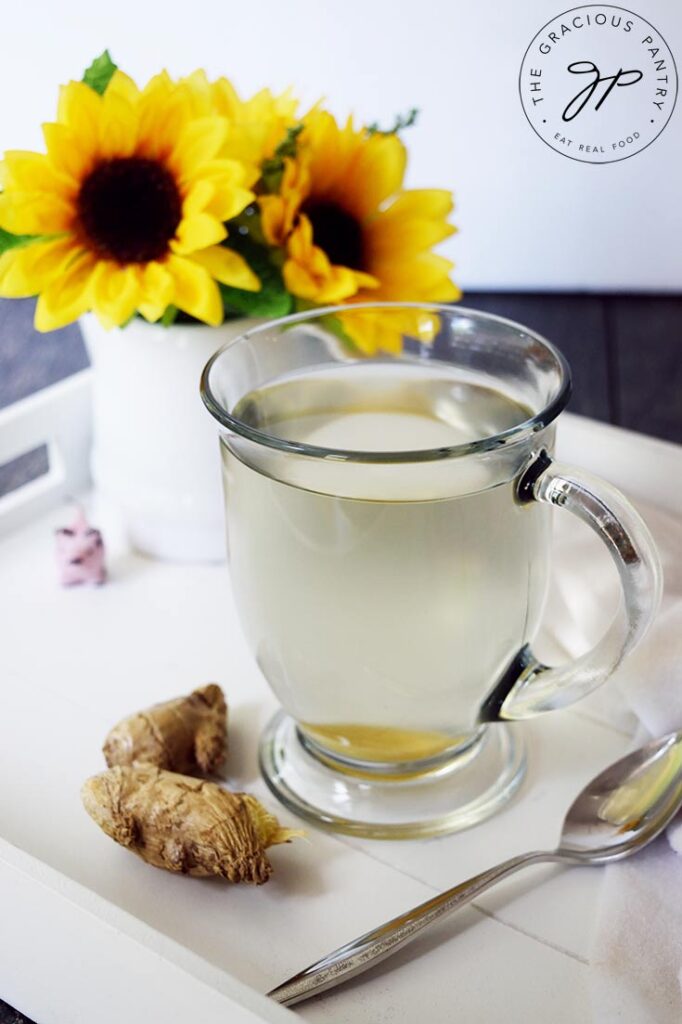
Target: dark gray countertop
pixel 11 1016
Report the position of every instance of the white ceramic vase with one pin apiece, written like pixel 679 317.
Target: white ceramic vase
pixel 155 454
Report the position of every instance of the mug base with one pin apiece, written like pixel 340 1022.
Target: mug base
pixel 471 786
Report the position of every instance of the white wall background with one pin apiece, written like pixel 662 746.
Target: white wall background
pixel 528 217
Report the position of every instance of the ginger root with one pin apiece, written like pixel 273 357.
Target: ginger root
pixel 184 824
pixel 188 734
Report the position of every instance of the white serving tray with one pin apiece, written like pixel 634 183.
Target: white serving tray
pixel 89 933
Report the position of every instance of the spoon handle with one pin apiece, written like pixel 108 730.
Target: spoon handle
pixel 361 953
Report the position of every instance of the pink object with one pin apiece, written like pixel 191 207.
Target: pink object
pixel 80 553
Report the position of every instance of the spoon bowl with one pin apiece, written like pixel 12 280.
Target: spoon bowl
pixel 627 805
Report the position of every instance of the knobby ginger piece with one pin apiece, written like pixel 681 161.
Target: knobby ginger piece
pixel 188 734
pixel 184 824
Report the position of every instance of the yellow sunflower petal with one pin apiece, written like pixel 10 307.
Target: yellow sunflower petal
pixel 443 291
pixel 228 267
pixel 299 281
pixel 225 173
pixel 35 213
pixel 301 241
pixel 272 215
pixel 198 197
pixel 27 269
pixel 411 278
pixel 162 115
pixel 80 109
pixel 118 130
pixel 67 297
pixel 197 232
pixel 158 88
pixel 414 222
pixel 123 86
pixel 432 203
pixel 207 197
pixel 65 153
pixel 249 142
pixel 387 238
pixel 199 88
pixel 195 292
pixel 226 99
pixel 199 142
pixel 341 285
pixel 335 286
pixel 232 183
pixel 157 291
pixel 364 280
pixel 376 174
pixel 33 172
pixel 116 292
pixel 327 150
pixel 229 203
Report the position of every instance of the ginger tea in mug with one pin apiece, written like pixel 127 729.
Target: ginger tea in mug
pixel 388 524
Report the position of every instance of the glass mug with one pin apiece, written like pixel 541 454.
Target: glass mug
pixel 388 530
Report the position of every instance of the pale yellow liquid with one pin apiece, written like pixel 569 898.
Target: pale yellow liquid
pixel 381 625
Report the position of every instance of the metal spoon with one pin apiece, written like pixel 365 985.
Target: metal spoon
pixel 617 814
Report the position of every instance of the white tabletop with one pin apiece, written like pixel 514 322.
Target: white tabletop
pixel 74 661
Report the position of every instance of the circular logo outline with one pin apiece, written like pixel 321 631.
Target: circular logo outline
pixel 583 160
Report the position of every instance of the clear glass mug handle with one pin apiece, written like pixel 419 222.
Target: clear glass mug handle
pixel 528 687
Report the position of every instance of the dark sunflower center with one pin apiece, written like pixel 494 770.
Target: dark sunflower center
pixel 337 233
pixel 129 208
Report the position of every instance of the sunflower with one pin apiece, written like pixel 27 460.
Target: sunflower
pixel 353 234
pixel 126 209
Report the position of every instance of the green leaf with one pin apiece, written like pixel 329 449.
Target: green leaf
pixel 10 241
pixel 170 316
pixel 273 300
pixel 100 72
pixel 401 121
